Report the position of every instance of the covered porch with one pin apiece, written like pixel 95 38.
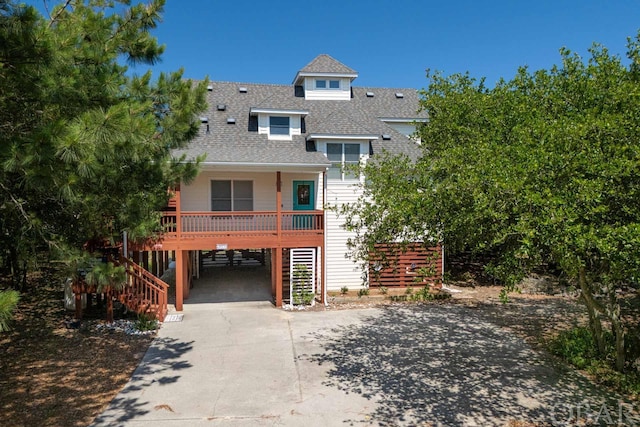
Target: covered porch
pixel 188 232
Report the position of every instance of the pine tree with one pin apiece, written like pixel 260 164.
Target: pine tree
pixel 86 146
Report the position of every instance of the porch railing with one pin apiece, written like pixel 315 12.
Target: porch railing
pixel 246 223
pixel 144 292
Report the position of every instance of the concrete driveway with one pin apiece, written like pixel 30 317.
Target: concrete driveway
pixel 249 364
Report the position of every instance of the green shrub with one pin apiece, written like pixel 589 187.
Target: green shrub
pixel 344 290
pixel 384 290
pixel 8 303
pixel 362 292
pixel 576 346
pixel 146 322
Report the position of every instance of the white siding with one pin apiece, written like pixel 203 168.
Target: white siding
pixel 295 124
pixel 341 271
pixel 197 195
pixel 310 92
pixel 406 129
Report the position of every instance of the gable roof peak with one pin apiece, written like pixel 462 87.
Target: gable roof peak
pixel 323 65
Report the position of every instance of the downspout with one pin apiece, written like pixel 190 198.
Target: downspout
pixel 125 246
pixel 324 238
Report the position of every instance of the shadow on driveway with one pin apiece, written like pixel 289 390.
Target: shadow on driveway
pixel 162 363
pixel 450 365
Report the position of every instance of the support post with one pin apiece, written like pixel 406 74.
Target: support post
pixel 187 273
pixel 180 267
pixel 320 262
pixel 279 209
pixel 272 258
pixel 278 262
pixel 145 260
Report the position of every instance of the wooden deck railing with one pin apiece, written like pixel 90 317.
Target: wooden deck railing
pixel 249 223
pixel 144 293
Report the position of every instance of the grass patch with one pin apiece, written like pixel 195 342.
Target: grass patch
pixel 577 347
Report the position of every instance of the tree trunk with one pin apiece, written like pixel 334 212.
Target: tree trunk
pixel 595 324
pixel 618 330
pixel 109 306
pixel 25 269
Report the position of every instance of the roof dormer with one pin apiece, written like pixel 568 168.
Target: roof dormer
pixel 326 78
pixel 279 124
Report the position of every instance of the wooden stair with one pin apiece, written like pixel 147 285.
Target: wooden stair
pixel 144 292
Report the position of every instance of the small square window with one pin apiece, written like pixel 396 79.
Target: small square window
pixel 278 125
pixel 327 84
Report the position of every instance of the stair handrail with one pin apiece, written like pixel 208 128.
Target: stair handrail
pixel 158 286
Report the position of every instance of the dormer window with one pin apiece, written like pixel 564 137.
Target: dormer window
pixel 327 84
pixel 279 125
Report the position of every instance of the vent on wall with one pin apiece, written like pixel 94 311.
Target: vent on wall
pixel 231 121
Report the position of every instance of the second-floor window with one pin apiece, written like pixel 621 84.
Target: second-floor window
pixel 279 125
pixel 231 195
pixel 344 158
pixel 327 84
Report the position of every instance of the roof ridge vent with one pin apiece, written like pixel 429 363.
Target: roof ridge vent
pixel 370 94
pixel 242 89
pixel 231 121
pixel 399 95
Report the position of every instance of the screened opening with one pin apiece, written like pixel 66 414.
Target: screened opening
pixel 231 195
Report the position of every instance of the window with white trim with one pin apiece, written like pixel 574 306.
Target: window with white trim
pixel 279 125
pixel 327 84
pixel 231 195
pixel 343 156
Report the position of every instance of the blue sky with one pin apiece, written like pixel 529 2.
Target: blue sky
pixel 389 42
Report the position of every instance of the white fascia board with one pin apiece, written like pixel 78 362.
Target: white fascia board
pixel 302 75
pixel 314 136
pixel 257 110
pixel 265 167
pixel 403 119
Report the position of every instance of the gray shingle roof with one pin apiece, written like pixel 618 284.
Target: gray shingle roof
pixel 241 144
pixel 326 64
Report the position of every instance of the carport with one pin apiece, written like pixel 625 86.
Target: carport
pixel 232 276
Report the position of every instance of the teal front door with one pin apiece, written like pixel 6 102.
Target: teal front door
pixel 304 196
